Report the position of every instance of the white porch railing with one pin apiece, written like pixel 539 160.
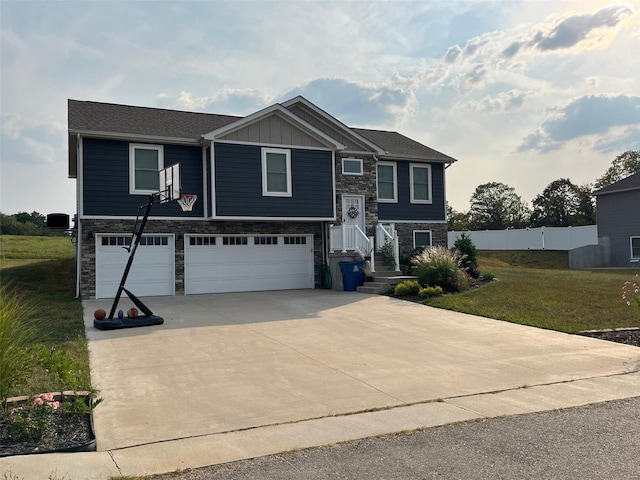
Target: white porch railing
pixel 387 234
pixel 349 238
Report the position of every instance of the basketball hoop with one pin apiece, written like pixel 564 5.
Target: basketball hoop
pixel 186 202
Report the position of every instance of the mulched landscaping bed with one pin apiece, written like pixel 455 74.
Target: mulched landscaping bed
pixel 628 336
pixel 67 432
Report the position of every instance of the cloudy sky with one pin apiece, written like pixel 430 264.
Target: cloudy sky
pixel 520 91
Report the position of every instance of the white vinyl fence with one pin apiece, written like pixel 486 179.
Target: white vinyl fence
pixel 543 238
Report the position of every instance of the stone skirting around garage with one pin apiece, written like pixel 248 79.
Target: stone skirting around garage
pixel 180 228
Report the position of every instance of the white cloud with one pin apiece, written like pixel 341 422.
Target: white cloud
pixel 472 79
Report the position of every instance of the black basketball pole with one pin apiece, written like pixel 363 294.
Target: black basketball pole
pixel 148 318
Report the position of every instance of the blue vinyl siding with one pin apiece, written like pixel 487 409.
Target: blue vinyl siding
pixel 106 179
pixel 404 209
pixel 238 190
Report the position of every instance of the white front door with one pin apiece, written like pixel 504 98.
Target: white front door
pixel 353 211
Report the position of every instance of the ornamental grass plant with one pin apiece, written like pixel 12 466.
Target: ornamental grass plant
pixel 439 266
pixel 17 331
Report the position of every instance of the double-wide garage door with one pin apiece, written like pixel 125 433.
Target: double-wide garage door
pixel 245 263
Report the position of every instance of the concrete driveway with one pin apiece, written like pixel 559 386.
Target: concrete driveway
pixel 232 376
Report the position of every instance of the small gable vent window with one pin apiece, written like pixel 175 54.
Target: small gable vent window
pixel 352 166
pixel 145 161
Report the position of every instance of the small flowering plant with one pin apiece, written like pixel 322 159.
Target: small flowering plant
pixel 631 291
pixel 30 421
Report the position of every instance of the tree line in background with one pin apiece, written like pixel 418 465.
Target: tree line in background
pixel 23 223
pixel 496 206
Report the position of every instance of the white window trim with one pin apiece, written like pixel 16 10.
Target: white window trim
pixel 395 183
pixel 411 185
pixel 287 154
pixel 430 232
pixel 359 160
pixel 631 248
pixel 132 165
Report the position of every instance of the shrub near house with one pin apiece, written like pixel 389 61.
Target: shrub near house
pixel 439 266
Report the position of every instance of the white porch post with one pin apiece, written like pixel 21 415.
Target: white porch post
pixel 372 262
pixel 344 237
pixel 331 250
pixel 396 247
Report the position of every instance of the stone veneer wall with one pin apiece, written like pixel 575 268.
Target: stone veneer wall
pixel 405 234
pixel 182 227
pixel 358 185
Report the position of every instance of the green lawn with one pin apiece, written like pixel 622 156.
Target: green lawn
pixel 46 281
pixel 537 288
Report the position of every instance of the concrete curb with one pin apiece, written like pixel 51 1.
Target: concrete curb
pixel 226 447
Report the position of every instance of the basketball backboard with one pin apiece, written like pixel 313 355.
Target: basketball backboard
pixel 170 183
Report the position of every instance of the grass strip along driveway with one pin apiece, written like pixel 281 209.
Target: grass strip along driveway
pixel 41 271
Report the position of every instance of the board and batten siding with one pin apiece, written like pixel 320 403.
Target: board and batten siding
pixel 404 209
pixel 273 130
pixel 619 219
pixel 105 177
pixel 322 125
pixel 238 189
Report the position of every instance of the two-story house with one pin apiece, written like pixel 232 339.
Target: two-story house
pixel 278 193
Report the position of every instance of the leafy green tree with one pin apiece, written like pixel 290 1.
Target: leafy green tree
pixel 563 204
pixel 36 218
pixel 9 225
pixel 457 221
pixel 496 206
pixel 623 165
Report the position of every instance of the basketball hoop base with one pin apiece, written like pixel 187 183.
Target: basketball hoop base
pixel 126 322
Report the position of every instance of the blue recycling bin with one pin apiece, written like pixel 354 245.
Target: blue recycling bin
pixel 352 275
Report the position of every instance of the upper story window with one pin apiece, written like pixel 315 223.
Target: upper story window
pixel 352 166
pixel 387 182
pixel 420 183
pixel 276 172
pixel 635 248
pixel 145 161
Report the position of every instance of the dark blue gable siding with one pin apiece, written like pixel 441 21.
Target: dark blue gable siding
pixel 404 209
pixel 238 189
pixel 105 177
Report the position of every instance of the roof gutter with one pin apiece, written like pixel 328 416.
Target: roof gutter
pixel 135 136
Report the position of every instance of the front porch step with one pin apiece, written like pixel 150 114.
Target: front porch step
pixel 383 284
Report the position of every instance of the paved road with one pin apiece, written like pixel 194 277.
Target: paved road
pixel 594 442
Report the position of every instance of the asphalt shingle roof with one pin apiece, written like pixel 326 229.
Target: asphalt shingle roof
pixel 86 116
pixel 395 143
pixel 155 122
pixel 632 182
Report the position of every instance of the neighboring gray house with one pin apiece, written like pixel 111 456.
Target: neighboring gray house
pixel 280 192
pixel 619 220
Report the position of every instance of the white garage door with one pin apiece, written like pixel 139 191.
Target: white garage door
pixel 247 263
pixel 152 272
